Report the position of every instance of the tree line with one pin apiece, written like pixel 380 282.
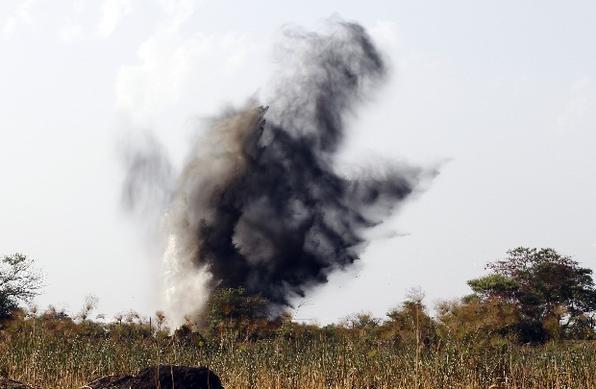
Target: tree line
pixel 530 296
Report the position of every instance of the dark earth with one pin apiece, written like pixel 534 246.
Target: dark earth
pixel 162 376
pixel 5 383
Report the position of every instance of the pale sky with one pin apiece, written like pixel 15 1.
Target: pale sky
pixel 504 91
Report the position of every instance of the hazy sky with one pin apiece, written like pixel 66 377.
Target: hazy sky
pixel 503 93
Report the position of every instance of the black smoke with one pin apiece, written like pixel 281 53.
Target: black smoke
pixel 259 203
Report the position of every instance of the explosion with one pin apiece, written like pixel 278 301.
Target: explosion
pixel 258 203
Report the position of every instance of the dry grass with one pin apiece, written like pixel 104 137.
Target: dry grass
pixel 60 358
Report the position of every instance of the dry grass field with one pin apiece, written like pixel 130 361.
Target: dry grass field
pixel 62 354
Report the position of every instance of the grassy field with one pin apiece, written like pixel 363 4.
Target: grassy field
pixel 60 354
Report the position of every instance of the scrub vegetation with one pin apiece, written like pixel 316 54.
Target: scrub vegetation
pixel 529 323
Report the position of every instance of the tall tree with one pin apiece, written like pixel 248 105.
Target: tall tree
pixel 551 291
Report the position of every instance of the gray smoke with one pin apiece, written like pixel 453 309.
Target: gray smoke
pixel 258 203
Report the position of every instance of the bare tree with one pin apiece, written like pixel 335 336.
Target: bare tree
pixel 88 307
pixel 19 282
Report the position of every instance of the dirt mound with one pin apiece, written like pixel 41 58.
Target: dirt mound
pixel 5 383
pixel 162 376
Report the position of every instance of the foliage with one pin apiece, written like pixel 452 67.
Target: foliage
pixel 410 324
pixel 51 350
pixel 494 285
pixel 18 283
pixel 476 342
pixel 478 322
pixel 553 296
pixel 233 315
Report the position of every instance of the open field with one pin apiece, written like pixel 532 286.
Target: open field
pixel 41 353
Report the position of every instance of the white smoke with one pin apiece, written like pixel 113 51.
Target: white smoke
pixel 184 284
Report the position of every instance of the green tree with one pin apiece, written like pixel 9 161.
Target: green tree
pixel 19 283
pixel 234 315
pixel 551 292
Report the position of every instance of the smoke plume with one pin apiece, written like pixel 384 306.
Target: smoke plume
pixel 259 203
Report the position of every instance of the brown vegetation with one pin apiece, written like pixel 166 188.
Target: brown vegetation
pixel 54 351
pixel 517 330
